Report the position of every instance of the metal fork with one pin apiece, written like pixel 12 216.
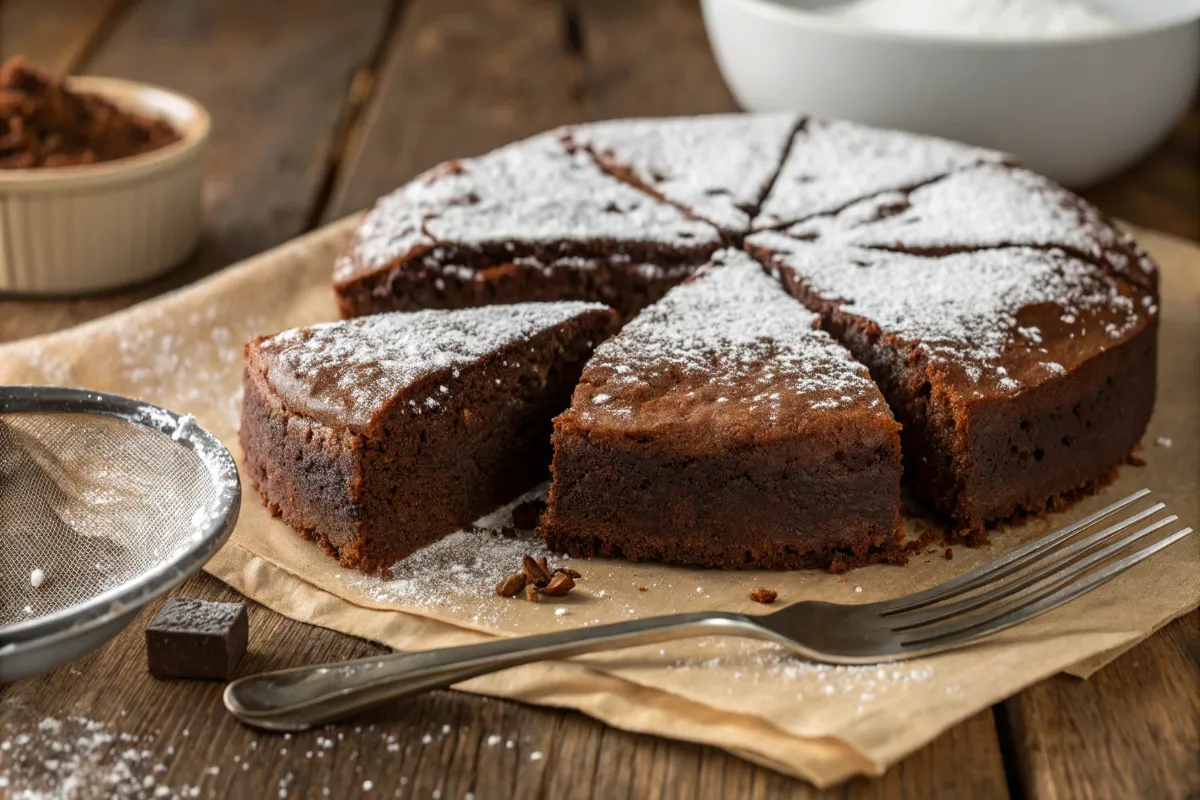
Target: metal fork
pixel 1045 574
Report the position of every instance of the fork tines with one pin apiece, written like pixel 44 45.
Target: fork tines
pixel 1044 574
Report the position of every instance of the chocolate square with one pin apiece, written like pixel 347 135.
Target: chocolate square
pixel 196 639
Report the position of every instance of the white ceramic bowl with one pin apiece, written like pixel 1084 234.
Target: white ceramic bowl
pixel 1077 109
pixel 80 229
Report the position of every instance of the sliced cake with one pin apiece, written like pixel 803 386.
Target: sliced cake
pixel 531 221
pixel 987 206
pixel 379 435
pixel 1019 375
pixel 722 428
pixel 833 164
pixel 717 167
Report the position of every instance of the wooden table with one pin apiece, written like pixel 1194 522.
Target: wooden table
pixel 320 106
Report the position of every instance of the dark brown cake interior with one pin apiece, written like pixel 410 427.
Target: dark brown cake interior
pixel 719 429
pixel 451 444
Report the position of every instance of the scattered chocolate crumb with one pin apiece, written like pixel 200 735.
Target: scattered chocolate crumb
pixel 567 571
pixel 534 573
pixel 764 596
pixel 43 124
pixel 531 593
pixel 559 585
pixel 511 585
pixel 949 554
pixel 643 589
pixel 525 516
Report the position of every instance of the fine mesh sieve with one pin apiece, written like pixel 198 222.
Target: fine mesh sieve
pixel 105 504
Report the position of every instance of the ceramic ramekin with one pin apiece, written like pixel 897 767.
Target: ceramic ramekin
pixel 1078 108
pixel 82 229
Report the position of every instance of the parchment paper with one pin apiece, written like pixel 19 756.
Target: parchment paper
pixel 825 724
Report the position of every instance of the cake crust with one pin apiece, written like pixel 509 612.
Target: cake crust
pixel 718 429
pixel 376 437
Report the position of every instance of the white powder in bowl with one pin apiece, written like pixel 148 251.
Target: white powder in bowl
pixel 1007 19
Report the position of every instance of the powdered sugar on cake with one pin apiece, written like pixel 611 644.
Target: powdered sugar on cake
pixel 963 308
pixel 717 166
pixel 833 164
pixel 532 193
pixel 730 336
pixel 350 370
pixel 985 206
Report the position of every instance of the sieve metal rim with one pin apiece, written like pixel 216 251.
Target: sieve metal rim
pixel 163 577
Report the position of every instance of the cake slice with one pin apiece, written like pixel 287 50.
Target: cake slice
pixel 376 436
pixel 721 428
pixel 528 222
pixel 718 167
pixel 987 206
pixel 1019 375
pixel 833 164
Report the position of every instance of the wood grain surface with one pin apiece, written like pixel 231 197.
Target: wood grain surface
pixel 318 109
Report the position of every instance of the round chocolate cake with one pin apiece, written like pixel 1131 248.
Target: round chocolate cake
pixel 858 308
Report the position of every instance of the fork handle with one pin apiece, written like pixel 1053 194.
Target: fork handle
pixel 296 699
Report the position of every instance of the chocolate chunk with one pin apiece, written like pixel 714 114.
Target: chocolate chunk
pixel 568 571
pixel 511 585
pixel 559 585
pixel 196 639
pixel 764 595
pixel 533 571
pixel 531 593
pixel 525 516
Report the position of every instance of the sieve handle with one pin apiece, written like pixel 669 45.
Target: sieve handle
pixel 299 698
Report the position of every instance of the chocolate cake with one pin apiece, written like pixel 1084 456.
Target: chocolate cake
pixel 1010 327
pixel 1019 374
pixel 833 164
pixel 716 167
pixel 719 429
pixel 377 436
pixel 531 221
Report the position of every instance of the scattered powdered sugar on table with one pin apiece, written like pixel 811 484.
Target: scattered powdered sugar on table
pixel 984 19
pixel 833 164
pixel 718 166
pixel 535 191
pixel 960 308
pixel 76 758
pixel 731 336
pixel 349 370
pixel 1163 441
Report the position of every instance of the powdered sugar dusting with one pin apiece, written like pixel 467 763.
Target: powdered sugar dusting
pixel 717 166
pixel 532 192
pixel 459 571
pixel 833 164
pixel 962 308
pixel 350 369
pixel 986 206
pixel 733 337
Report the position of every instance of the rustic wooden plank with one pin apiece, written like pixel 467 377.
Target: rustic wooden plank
pixel 54 35
pixel 275 92
pixel 648 59
pixel 460 80
pixel 1131 730
pixel 443 742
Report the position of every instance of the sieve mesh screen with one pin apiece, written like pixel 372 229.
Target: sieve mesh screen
pixel 92 502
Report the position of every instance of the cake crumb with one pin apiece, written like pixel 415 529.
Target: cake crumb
pixel 764 595
pixel 643 589
pixel 949 554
